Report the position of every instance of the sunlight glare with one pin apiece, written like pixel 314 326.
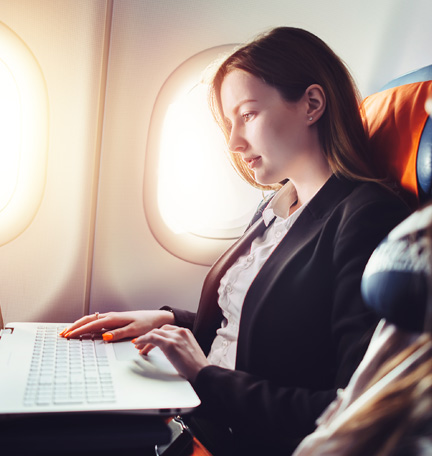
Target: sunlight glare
pixel 10 126
pixel 196 181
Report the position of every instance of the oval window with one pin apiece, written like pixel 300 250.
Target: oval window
pixel 23 135
pixel 195 202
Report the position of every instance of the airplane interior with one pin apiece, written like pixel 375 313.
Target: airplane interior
pixel 115 190
pixel 84 226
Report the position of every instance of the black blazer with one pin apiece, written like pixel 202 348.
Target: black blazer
pixel 304 327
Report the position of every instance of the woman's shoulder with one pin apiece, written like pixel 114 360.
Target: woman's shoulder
pixel 363 205
pixel 376 193
pixel 341 197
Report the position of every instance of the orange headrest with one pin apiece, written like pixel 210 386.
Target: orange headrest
pixel 395 119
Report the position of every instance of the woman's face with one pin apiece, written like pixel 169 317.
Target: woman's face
pixel 272 135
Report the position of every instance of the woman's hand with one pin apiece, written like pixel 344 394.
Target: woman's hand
pixel 119 325
pixel 179 346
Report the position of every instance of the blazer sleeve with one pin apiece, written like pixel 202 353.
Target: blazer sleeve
pixel 182 317
pixel 285 414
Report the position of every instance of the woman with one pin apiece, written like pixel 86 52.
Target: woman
pixel 386 410
pixel 281 324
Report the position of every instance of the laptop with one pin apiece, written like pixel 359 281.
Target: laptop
pixel 41 372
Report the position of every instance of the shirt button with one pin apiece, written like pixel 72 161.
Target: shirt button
pixel 278 234
pixel 228 288
pixel 250 259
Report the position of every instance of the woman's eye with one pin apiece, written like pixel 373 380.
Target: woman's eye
pixel 247 116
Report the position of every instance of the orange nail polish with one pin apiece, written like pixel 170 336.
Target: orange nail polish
pixel 134 340
pixel 67 334
pixel 107 336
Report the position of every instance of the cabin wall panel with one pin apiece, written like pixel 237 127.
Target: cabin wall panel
pixel 45 270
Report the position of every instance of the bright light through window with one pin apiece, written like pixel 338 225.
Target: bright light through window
pixel 23 135
pixel 10 123
pixel 199 191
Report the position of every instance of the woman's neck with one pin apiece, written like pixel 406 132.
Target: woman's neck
pixel 307 187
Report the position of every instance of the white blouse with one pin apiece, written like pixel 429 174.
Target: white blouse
pixel 235 283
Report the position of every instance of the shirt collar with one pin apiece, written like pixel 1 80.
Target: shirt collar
pixel 280 205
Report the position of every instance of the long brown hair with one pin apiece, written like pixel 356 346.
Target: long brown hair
pixel 291 59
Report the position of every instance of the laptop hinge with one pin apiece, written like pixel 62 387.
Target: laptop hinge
pixel 6 331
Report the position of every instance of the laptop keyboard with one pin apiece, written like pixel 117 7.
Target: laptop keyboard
pixel 68 371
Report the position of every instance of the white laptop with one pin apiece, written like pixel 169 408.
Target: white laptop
pixel 42 372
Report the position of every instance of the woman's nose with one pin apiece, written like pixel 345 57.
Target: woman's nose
pixel 237 143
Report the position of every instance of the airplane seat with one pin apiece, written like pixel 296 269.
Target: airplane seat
pixel 400 132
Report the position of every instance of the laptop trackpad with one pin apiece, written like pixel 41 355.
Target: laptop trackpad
pixel 125 350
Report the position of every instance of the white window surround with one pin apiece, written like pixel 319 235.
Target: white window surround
pixel 187 173
pixel 24 120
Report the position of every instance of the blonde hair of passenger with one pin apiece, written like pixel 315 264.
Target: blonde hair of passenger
pixel 388 424
pixel 290 60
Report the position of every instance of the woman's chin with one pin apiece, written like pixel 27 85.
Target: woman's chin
pixel 267 180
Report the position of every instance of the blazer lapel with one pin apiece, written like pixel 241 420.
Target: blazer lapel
pixel 209 314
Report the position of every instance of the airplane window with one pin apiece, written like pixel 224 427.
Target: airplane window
pixel 9 134
pixel 23 135
pixel 202 205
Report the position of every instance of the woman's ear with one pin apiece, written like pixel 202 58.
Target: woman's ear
pixel 316 102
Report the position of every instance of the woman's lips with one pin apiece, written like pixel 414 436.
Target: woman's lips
pixel 253 162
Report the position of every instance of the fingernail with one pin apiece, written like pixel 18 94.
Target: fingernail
pixel 134 340
pixel 63 332
pixel 67 334
pixel 107 336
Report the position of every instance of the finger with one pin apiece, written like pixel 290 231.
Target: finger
pixel 166 339
pixel 88 328
pixel 156 337
pixel 84 325
pixel 140 342
pixel 82 321
pixel 159 333
pixel 169 327
pixel 76 324
pixel 125 332
pixel 147 349
pixel 85 320
pixel 165 331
